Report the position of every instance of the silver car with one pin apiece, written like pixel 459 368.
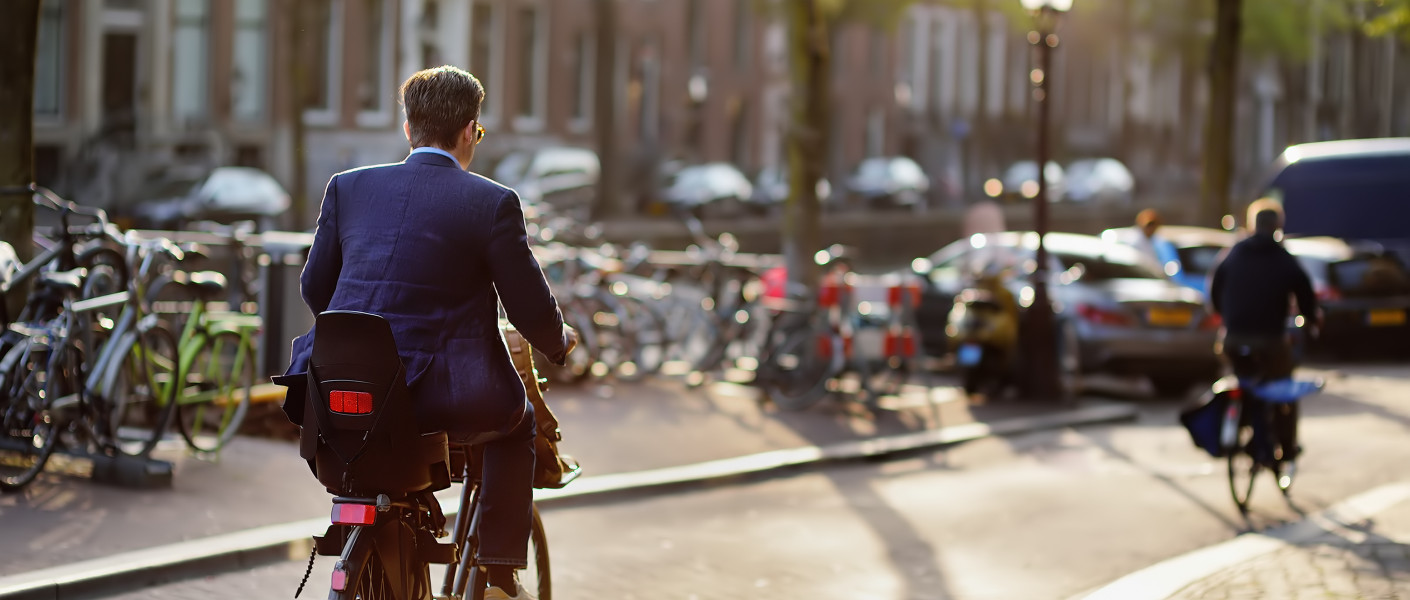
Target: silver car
pixel 1121 314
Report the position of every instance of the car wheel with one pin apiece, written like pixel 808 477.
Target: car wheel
pixel 1070 362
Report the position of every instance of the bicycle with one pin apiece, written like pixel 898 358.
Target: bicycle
pixel 1248 435
pixel 362 443
pixel 215 372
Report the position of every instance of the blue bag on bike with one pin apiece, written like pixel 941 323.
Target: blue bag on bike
pixel 1204 421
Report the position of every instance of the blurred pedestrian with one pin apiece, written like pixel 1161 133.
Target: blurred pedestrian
pixel 1152 245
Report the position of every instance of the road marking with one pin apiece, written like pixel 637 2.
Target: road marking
pixel 1169 577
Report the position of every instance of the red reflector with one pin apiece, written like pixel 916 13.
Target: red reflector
pixel 340 580
pixel 357 403
pixel 1236 394
pixel 354 514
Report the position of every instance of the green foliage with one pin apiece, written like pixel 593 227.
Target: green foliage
pixel 1390 17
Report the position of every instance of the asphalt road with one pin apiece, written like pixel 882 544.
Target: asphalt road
pixel 1047 515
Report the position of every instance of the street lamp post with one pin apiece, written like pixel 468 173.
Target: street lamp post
pixel 1042 344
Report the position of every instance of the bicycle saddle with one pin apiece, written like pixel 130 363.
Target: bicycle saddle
pixel 68 281
pixel 207 285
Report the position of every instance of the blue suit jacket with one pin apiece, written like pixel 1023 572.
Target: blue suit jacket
pixel 433 249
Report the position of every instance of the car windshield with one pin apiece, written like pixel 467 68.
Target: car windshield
pixel 1199 260
pixel 1105 268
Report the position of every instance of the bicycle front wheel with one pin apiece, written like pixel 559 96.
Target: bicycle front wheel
pixel 138 398
pixel 216 397
pixel 28 430
pixel 1243 469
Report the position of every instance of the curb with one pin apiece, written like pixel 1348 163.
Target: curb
pixel 292 541
pixel 1167 578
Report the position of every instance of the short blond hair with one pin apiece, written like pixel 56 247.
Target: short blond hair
pixel 1263 205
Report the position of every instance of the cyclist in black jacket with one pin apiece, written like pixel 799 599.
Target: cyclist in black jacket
pixel 1250 290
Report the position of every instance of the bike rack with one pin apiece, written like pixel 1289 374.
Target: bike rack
pixel 132 472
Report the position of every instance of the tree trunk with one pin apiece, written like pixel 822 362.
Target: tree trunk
pixel 296 19
pixel 605 117
pixel 808 138
pixel 19 32
pixel 1219 126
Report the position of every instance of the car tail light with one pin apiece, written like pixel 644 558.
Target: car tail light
pixel 1327 293
pixel 340 579
pixel 354 403
pixel 1101 316
pixel 1211 322
pixel 354 514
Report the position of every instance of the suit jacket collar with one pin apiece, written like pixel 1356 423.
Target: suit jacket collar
pixel 430 158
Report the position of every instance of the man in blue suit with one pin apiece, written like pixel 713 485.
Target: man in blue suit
pixel 435 249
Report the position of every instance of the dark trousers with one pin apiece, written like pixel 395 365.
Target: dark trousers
pixel 1263 358
pixel 507 492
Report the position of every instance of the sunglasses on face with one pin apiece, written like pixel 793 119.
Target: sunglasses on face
pixel 479 133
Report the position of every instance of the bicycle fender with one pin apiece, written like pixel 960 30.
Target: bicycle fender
pixel 110 370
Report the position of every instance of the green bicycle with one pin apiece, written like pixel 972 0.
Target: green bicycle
pixel 216 366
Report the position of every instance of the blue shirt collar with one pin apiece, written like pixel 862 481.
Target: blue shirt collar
pixel 435 150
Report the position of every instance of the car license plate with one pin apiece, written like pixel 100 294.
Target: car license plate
pixel 1388 317
pixel 1170 317
pixel 969 355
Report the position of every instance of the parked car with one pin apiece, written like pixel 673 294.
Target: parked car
pixel 1198 249
pixel 1355 190
pixel 1365 296
pixel 223 194
pixel 771 190
pixel 712 189
pixel 1099 180
pixel 1020 182
pixel 1122 315
pixel 562 177
pixel 890 181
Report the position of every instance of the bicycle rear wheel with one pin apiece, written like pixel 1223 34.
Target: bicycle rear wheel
pixel 216 398
pixel 28 428
pixel 801 367
pixel 138 399
pixel 364 577
pixel 1243 469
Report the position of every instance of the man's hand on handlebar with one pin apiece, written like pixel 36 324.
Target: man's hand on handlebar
pixel 571 335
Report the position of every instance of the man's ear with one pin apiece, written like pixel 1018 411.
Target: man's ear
pixel 468 134
pixel 406 129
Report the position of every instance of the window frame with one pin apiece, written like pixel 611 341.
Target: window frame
pixel 56 8
pixel 537 71
pixel 383 115
pixel 328 115
pixel 494 92
pixel 265 60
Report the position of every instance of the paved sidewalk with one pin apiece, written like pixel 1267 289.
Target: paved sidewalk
pixel 1363 560
pixel 63 518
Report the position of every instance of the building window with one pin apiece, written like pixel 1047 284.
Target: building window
pixel 374 87
pixel 191 64
pixel 530 46
pixel 250 76
pixel 484 53
pixel 743 34
pixel 584 74
pixel 426 34
pixel 321 22
pixel 49 60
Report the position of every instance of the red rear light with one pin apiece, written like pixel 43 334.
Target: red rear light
pixel 354 514
pixel 1100 316
pixel 340 580
pixel 354 403
pixel 1327 293
pixel 1236 393
pixel 1211 322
